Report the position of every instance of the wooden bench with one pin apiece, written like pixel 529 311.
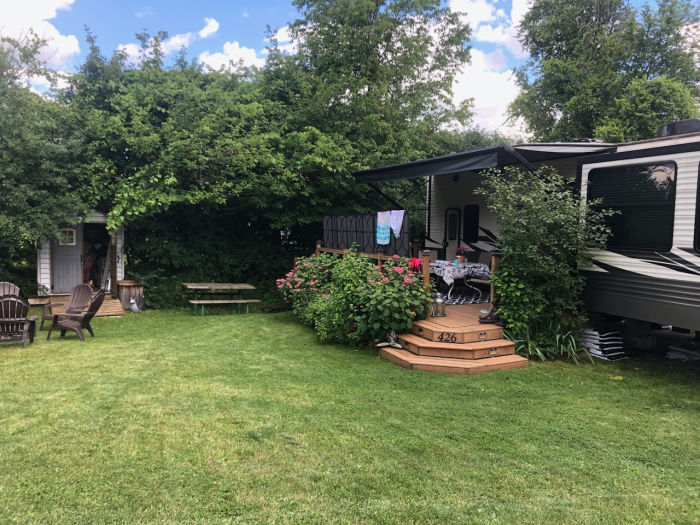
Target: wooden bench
pixel 224 301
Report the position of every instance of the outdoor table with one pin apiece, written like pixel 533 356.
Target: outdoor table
pixel 221 288
pixel 450 273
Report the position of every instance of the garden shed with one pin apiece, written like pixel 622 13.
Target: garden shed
pixel 87 252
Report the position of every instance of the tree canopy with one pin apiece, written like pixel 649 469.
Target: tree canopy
pixel 601 68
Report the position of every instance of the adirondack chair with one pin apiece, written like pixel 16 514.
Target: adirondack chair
pixel 8 289
pixel 77 302
pixel 75 322
pixel 14 324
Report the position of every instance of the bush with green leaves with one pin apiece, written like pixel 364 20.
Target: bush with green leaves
pixel 392 299
pixel 310 278
pixel 352 301
pixel 546 230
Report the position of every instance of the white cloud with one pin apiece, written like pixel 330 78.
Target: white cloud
pixel 146 12
pixel 233 52
pixel 211 27
pixel 284 40
pixel 17 19
pixel 491 24
pixel 491 88
pixel 175 42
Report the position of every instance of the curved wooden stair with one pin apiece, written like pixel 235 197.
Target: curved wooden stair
pixel 455 344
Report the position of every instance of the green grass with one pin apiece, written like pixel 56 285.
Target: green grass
pixel 167 417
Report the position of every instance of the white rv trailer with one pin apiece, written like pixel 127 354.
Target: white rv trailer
pixel 650 270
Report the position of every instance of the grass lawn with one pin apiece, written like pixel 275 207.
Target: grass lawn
pixel 167 417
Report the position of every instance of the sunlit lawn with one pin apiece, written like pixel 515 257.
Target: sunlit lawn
pixel 167 417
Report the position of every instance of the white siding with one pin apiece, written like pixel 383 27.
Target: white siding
pixel 120 254
pixel 43 266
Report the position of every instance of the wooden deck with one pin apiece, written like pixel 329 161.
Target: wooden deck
pixel 455 344
pixel 111 307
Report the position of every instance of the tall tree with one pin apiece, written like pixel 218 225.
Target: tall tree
pixel 591 60
pixel 41 185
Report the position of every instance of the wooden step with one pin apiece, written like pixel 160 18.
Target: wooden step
pixel 480 350
pixel 445 365
pixel 460 325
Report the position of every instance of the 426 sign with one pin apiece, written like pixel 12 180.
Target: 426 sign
pixel 447 337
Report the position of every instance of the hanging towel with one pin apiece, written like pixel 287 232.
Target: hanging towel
pixel 396 222
pixel 383 227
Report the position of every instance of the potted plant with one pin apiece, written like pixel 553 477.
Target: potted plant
pixel 461 252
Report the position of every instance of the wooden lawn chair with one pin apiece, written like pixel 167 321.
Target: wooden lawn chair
pixel 75 322
pixel 77 303
pixel 8 289
pixel 14 324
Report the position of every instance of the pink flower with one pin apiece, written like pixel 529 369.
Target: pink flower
pixel 413 314
pixel 411 274
pixel 313 277
pixel 398 269
pixel 373 280
pixel 288 302
pixel 408 281
pixel 395 257
pixel 385 279
pixel 290 274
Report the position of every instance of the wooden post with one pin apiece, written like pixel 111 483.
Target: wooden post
pixel 494 267
pixel 426 269
pixel 379 259
pixel 318 248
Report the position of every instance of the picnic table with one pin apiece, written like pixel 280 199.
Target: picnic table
pixel 221 290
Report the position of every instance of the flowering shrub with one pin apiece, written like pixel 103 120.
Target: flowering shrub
pixel 354 301
pixel 393 298
pixel 310 278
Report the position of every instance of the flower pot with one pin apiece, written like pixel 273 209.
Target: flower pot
pixel 460 258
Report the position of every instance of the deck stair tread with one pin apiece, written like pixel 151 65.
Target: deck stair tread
pixel 460 325
pixel 476 350
pixel 445 365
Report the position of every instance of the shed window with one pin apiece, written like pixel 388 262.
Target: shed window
pixel 644 197
pixel 67 237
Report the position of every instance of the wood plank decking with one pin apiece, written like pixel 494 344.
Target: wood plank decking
pixel 455 344
pixel 111 307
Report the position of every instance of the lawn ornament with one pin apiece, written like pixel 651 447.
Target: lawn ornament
pixel 437 309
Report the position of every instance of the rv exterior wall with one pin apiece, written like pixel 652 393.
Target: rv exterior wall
pixel 651 285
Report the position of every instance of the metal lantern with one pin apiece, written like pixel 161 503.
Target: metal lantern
pixel 437 309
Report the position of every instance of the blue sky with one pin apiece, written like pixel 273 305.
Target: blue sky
pixel 216 31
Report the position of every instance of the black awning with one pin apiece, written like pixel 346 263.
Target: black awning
pixel 479 159
pixel 476 159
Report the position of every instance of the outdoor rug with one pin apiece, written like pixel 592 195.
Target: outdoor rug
pixel 464 296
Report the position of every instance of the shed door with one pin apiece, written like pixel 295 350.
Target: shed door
pixel 67 267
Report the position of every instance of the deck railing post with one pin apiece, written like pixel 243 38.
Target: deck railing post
pixel 494 267
pixel 379 259
pixel 426 269
pixel 318 248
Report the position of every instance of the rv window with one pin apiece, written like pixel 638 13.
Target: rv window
pixel 471 224
pixel 644 198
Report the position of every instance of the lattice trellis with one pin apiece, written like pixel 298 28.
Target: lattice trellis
pixel 340 232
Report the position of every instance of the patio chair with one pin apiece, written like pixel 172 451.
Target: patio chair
pixel 75 322
pixel 77 302
pixel 14 324
pixel 8 289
